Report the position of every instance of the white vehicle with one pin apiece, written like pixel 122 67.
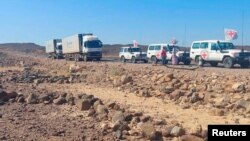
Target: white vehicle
pixel 82 47
pixel 54 48
pixel 214 52
pixel 154 53
pixel 132 53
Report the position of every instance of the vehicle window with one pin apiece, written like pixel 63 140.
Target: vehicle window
pixel 121 50
pixel 225 46
pixel 151 48
pixel 196 46
pixel 157 47
pixel 125 50
pixel 59 47
pixel 214 46
pixel 204 45
pixel 136 49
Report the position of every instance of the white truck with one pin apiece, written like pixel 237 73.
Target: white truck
pixel 54 49
pixel 132 53
pixel 216 51
pixel 82 47
pixel 154 53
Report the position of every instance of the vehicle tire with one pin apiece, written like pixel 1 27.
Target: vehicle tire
pixel 145 61
pixel 133 60
pixel 85 58
pixel 76 58
pixel 228 62
pixel 245 64
pixel 187 62
pixel 199 61
pixel 154 60
pixel 214 64
pixel 122 59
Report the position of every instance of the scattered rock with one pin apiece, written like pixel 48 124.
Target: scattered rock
pixel 83 104
pixel 126 79
pixel 118 134
pixel 148 130
pixel 196 129
pixel 32 99
pixel 177 131
pixel 238 87
pixel 117 116
pixel 60 100
pixel 101 109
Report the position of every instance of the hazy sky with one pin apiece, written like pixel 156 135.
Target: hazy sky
pixel 122 21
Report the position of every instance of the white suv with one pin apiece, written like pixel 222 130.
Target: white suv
pixel 154 53
pixel 214 52
pixel 132 53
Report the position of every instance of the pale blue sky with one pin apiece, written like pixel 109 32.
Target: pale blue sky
pixel 122 21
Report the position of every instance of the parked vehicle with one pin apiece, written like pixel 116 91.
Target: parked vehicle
pixel 82 47
pixel 215 51
pixel 133 54
pixel 154 53
pixel 54 49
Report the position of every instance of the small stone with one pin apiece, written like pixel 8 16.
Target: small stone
pixel 111 104
pixel 177 131
pixel 117 116
pixel 238 87
pixel 196 130
pixel 148 130
pixel 83 104
pixel 91 112
pixel 60 100
pixel 32 99
pixel 126 79
pixel 20 99
pixel 118 134
pixel 101 109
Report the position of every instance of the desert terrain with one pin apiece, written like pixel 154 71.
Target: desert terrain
pixel 44 99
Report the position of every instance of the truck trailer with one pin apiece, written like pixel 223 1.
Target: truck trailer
pixel 82 47
pixel 54 49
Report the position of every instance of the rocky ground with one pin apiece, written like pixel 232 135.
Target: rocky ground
pixel 42 99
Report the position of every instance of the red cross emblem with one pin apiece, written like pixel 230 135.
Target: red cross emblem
pixel 204 55
pixel 231 33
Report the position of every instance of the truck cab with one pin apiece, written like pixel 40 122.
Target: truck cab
pixel 219 51
pixel 54 49
pixel 91 47
pixel 82 47
pixel 133 54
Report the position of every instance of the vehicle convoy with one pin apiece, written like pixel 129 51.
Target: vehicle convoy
pixel 214 52
pixel 154 53
pixel 133 54
pixel 54 49
pixel 82 47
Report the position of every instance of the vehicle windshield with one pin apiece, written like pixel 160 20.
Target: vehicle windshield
pixel 59 47
pixel 170 48
pixel 226 46
pixel 93 44
pixel 134 49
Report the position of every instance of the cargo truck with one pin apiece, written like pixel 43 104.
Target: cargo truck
pixel 82 47
pixel 54 49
